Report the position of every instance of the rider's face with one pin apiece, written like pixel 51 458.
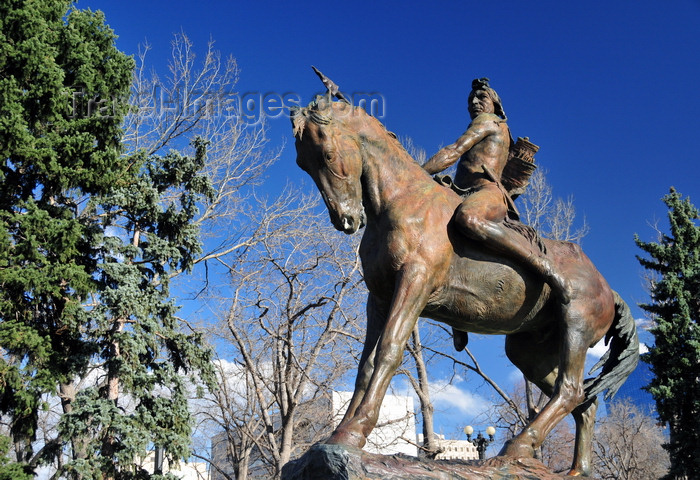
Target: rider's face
pixel 480 102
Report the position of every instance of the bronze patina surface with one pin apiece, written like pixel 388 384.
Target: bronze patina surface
pixel 420 260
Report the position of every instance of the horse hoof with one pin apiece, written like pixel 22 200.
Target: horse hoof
pixel 349 439
pixel 514 449
pixel 497 462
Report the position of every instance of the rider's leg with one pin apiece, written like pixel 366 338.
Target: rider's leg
pixel 481 216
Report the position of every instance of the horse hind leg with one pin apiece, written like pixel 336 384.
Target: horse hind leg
pixel 565 391
pixel 540 369
pixel 584 416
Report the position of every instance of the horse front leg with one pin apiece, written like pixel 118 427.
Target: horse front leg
pixel 410 296
pixel 376 318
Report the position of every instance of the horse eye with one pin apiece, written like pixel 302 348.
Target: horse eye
pixel 329 157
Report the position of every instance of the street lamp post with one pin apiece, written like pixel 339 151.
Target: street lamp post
pixel 480 442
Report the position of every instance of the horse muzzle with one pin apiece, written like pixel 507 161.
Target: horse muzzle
pixel 350 224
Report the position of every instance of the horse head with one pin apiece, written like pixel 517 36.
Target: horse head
pixel 329 151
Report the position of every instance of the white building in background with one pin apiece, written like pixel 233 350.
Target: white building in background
pixel 395 432
pixel 396 427
pixel 453 449
pixel 185 471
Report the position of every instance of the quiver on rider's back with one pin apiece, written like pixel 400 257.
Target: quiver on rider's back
pixel 520 166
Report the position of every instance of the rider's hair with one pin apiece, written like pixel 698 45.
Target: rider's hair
pixel 483 84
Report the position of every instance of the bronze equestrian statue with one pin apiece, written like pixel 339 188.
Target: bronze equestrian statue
pixel 417 262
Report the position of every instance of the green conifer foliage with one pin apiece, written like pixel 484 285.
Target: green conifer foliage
pixel 51 156
pixel 675 356
pixel 89 238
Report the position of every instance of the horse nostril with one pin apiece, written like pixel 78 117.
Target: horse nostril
pixel 347 223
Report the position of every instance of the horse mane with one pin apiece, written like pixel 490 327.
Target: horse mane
pixel 299 116
pixel 321 112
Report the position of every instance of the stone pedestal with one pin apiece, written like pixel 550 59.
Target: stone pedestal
pixel 336 462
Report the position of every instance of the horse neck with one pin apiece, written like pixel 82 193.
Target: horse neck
pixel 389 172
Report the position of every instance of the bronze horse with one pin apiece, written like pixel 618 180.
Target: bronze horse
pixel 416 264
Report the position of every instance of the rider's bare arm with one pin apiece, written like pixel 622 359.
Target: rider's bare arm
pixel 448 155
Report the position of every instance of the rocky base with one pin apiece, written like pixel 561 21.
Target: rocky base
pixel 337 462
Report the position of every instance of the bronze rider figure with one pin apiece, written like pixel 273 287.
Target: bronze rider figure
pixel 482 152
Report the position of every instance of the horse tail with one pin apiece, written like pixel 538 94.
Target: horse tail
pixel 621 358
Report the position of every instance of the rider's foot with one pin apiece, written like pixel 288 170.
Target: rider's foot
pixel 459 339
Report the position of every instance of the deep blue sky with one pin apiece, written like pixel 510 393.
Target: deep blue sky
pixel 608 89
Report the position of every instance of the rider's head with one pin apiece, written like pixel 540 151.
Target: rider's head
pixel 484 99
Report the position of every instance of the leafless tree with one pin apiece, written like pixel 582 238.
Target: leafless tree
pixel 556 451
pixel 287 331
pixel 421 385
pixel 290 327
pixel 552 217
pixel 627 445
pixel 198 99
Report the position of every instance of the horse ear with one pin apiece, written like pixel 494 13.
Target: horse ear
pixel 298 121
pixel 333 90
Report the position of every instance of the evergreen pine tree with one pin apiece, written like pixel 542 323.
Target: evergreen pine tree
pixel 55 66
pixel 675 356
pixel 89 238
